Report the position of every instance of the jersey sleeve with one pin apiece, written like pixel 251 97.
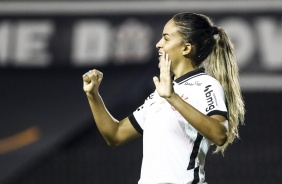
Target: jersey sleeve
pixel 214 99
pixel 137 118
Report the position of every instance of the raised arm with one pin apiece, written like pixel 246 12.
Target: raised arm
pixel 211 127
pixel 114 132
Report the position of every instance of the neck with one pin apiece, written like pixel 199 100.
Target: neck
pixel 183 68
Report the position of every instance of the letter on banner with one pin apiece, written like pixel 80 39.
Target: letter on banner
pixel 270 37
pixel 4 42
pixel 91 43
pixel 133 43
pixel 242 36
pixel 33 38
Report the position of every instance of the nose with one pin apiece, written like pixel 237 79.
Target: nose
pixel 158 45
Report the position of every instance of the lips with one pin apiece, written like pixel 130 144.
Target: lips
pixel 160 55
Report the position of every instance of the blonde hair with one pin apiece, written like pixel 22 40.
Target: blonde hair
pixel 221 64
pixel 215 52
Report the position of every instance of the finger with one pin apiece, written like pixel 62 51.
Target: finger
pixel 99 75
pixel 90 76
pixel 156 81
pixel 165 65
pixel 162 63
pixel 89 73
pixel 85 83
pixel 87 86
pixel 166 57
pixel 168 65
pixel 86 78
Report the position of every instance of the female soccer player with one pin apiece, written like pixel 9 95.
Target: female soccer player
pixel 197 103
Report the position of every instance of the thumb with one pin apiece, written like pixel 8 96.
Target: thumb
pixel 156 81
pixel 86 78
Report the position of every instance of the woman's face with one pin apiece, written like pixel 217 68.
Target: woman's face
pixel 171 43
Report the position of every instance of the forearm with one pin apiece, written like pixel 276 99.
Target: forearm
pixel 105 122
pixel 209 127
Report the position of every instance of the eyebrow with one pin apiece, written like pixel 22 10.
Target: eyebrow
pixel 166 35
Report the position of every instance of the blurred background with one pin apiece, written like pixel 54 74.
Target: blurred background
pixel 47 133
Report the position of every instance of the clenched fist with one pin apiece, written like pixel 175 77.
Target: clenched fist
pixel 91 81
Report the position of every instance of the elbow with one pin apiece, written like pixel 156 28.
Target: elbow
pixel 113 143
pixel 110 144
pixel 113 140
pixel 221 139
pixel 221 135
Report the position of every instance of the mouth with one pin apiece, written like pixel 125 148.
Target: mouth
pixel 160 55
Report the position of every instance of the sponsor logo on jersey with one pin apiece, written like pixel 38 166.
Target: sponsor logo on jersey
pixel 196 83
pixel 209 98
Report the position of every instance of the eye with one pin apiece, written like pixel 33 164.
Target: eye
pixel 166 38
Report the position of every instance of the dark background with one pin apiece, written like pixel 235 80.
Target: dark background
pixel 54 98
pixel 70 150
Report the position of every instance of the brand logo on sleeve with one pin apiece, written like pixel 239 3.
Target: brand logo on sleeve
pixel 209 98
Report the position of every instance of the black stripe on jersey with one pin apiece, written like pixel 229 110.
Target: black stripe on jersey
pixel 135 124
pixel 195 151
pixel 196 175
pixel 217 112
pixel 191 78
pixel 190 75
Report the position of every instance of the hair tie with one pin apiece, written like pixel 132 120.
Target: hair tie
pixel 214 30
pixel 211 31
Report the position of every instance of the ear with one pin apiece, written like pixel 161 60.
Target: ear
pixel 187 49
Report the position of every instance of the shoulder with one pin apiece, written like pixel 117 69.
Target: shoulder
pixel 210 82
pixel 208 79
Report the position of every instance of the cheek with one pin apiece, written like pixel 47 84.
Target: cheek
pixel 174 54
pixel 174 60
pixel 170 50
pixel 173 50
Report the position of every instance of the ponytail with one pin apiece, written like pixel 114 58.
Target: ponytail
pixel 221 64
pixel 215 52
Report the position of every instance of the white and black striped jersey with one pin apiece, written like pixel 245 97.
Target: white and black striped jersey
pixel 173 151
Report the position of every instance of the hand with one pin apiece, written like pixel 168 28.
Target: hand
pixel 92 81
pixel 164 82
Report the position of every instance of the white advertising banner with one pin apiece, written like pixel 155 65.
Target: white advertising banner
pixel 102 33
